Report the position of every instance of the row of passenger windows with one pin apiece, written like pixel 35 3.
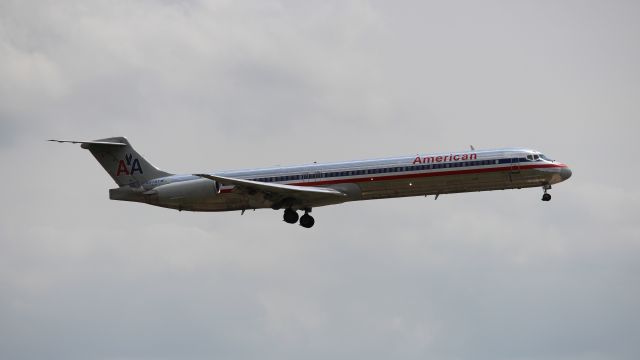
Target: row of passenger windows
pixel 395 169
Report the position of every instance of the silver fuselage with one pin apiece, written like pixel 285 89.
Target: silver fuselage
pixel 430 174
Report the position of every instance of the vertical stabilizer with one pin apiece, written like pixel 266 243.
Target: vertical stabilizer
pixel 121 161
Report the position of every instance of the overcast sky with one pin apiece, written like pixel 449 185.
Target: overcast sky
pixel 212 85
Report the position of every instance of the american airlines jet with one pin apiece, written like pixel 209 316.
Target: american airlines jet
pixel 303 187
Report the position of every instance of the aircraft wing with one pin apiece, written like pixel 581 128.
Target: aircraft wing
pixel 302 196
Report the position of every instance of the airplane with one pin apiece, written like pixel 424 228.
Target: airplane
pixel 304 187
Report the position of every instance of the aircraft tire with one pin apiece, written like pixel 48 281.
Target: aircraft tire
pixel 290 216
pixel 307 221
pixel 546 197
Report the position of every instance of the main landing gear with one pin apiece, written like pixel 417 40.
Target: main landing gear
pixel 546 196
pixel 291 217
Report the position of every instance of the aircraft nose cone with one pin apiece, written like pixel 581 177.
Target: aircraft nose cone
pixel 565 173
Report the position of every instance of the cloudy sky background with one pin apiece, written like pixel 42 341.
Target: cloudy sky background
pixel 212 85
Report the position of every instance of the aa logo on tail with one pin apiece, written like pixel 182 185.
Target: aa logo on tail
pixel 129 167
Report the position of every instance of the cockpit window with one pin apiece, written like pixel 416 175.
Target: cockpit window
pixel 529 157
pixel 545 158
pixel 536 157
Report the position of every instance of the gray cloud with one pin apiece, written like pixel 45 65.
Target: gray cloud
pixel 207 85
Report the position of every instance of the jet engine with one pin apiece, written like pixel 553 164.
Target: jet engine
pixel 185 192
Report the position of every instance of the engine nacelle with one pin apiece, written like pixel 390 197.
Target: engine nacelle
pixel 192 191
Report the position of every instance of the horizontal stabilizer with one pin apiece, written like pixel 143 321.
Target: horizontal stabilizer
pixel 89 142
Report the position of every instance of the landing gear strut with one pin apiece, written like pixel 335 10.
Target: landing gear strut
pixel 546 196
pixel 290 216
pixel 307 220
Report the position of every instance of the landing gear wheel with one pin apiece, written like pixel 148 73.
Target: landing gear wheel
pixel 290 216
pixel 307 221
pixel 545 196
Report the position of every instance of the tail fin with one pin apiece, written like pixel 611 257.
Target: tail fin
pixel 120 160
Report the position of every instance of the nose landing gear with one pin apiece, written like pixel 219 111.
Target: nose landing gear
pixel 546 196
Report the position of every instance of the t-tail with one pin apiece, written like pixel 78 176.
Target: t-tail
pixel 118 158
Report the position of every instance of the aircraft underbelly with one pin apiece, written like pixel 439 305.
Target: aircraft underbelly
pixel 433 185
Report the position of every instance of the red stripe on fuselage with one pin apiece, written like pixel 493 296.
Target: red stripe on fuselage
pixel 420 175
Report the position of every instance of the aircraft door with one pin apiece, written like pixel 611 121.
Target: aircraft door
pixel 313 176
pixel 514 171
